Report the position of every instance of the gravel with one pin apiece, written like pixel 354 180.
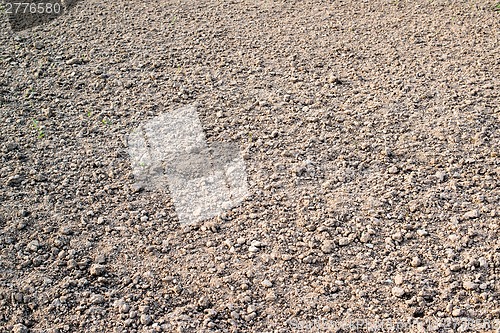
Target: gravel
pixel 370 135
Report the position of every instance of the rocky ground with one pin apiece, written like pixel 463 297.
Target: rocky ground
pixel 370 132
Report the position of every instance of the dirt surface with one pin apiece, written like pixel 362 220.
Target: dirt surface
pixel 370 132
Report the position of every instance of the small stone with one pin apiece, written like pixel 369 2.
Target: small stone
pixel 12 146
pixel 124 308
pixel 251 308
pixel 144 309
pixel 271 296
pixel 266 283
pixel 235 315
pixel 33 245
pixel 204 302
pixel 398 292
pixel 415 262
pixel 393 170
pixel 456 312
pixel 483 262
pixel 455 267
pixel 256 243
pixel 97 270
pixel 422 232
pixel 397 236
pixel 326 309
pixel 344 241
pixel 398 279
pixel 253 249
pixel 441 176
pixel 468 285
pixel 65 230
pixel 365 237
pixel 211 313
pixel 14 180
pixel 146 319
pixel 72 263
pixel 250 316
pixel 97 299
pixel 73 61
pixel 328 246
pixel 100 220
pixel 473 214
pixel 20 328
pixel 100 258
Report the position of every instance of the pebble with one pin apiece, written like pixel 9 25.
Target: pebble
pixel 97 299
pixel 393 170
pixel 97 270
pixel 365 237
pixel 483 262
pixel 14 180
pixel 473 214
pixel 344 241
pixel 20 328
pixel 398 279
pixel 146 319
pixel 33 245
pixel 235 315
pixel 65 230
pixel 468 285
pixel 398 292
pixel 328 246
pixel 100 258
pixel 253 249
pixel 211 313
pixel 456 312
pixel 441 176
pixel 124 308
pixel 73 61
pixel 266 283
pixel 415 262
pixel 256 243
pixel 397 236
pixel 422 232
pixel 144 309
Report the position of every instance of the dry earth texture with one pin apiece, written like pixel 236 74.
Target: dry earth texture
pixel 370 133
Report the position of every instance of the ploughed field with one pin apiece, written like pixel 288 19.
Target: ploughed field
pixel 369 132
